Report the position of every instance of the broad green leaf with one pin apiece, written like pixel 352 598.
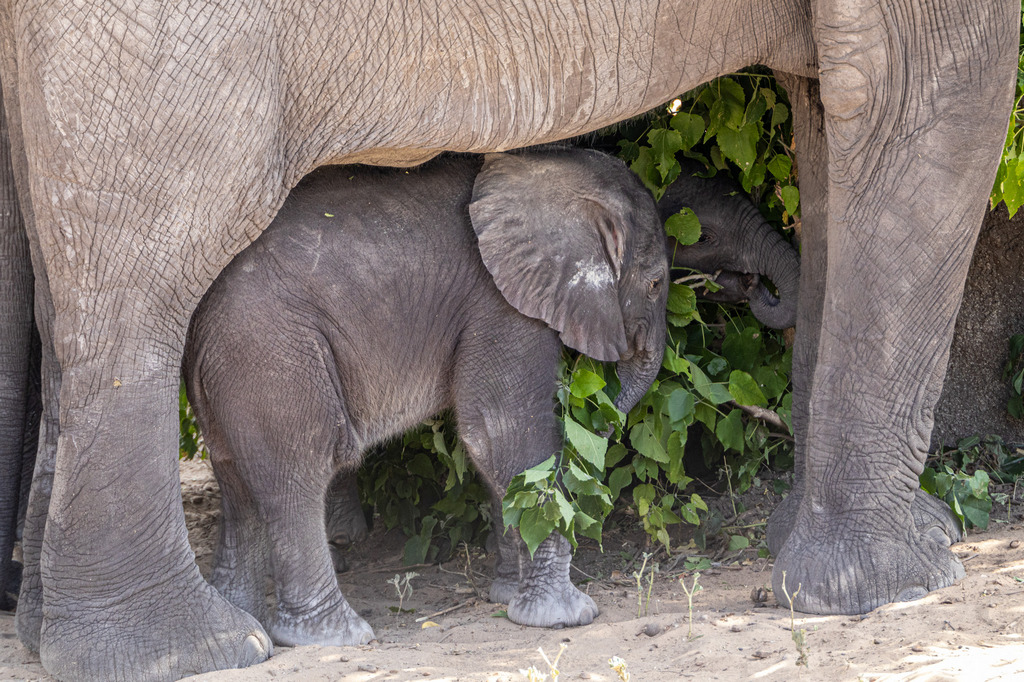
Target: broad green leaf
pixel 681 299
pixel 779 114
pixel 614 455
pixel 734 101
pixel 745 390
pixel 619 479
pixel 739 146
pixel 976 511
pixel 534 528
pixel 744 348
pixel 715 393
pixel 542 471
pixel 730 431
pixel 643 496
pixel 585 383
pixel 755 109
pixel 690 127
pixel 673 363
pixel 644 167
pixel 680 406
pixel 664 144
pixel 644 441
pixel 791 198
pixel 590 446
pixel 628 150
pixel 738 542
pixel 684 227
pixel 780 166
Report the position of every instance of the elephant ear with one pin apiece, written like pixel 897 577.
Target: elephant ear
pixel 553 247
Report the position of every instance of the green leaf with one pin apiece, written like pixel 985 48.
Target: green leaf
pixel 590 446
pixel 734 101
pixel 664 145
pixel 680 406
pixel 644 441
pixel 539 472
pixel 791 198
pixel 681 299
pixel 739 146
pixel 619 479
pixel 684 227
pixel 730 431
pixel 738 542
pixel 976 511
pixel 690 127
pixel 780 166
pixel 534 528
pixel 715 393
pixel 745 390
pixel 779 114
pixel 585 383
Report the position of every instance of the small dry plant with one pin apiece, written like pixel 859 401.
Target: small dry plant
pixel 799 636
pixel 642 607
pixel 619 666
pixel 403 587
pixel 690 591
pixel 534 675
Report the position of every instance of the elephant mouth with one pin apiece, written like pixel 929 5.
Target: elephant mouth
pixel 738 287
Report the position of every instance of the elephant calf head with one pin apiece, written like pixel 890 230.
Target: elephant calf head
pixel 585 253
pixel 738 245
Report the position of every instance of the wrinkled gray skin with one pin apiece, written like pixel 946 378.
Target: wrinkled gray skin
pixel 378 298
pixel 739 245
pixel 736 244
pixel 151 144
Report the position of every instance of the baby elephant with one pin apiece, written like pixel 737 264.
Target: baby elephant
pixel 378 298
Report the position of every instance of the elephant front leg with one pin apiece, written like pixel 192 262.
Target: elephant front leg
pixel 120 584
pixel 505 422
pixel 913 136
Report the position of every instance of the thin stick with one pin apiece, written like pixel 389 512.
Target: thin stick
pixel 443 612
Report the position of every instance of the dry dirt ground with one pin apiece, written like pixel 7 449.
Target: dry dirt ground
pixel 971 631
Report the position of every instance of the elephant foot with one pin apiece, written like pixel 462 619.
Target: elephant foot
pixel 781 522
pixel 178 631
pixel 503 590
pixel 932 517
pixel 552 606
pixel 545 597
pixel 337 625
pixel 28 619
pixel 829 569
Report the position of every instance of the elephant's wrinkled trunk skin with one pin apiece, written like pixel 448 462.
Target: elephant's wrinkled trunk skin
pixel 638 369
pixel 736 240
pixel 774 258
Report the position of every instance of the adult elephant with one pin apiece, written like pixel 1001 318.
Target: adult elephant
pixel 152 141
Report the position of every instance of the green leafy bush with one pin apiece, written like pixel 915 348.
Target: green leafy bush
pixel 719 363
pixel 424 485
pixel 1009 184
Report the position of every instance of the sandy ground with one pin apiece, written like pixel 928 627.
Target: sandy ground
pixel 971 631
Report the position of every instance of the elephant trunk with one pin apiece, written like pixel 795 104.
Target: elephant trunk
pixel 771 256
pixel 639 368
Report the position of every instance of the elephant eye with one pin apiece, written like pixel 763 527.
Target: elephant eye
pixel 654 285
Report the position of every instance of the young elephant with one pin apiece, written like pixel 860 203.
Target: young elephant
pixel 737 247
pixel 380 297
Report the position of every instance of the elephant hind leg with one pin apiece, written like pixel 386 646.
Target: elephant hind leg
pixel 310 607
pixel 344 517
pixel 241 562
